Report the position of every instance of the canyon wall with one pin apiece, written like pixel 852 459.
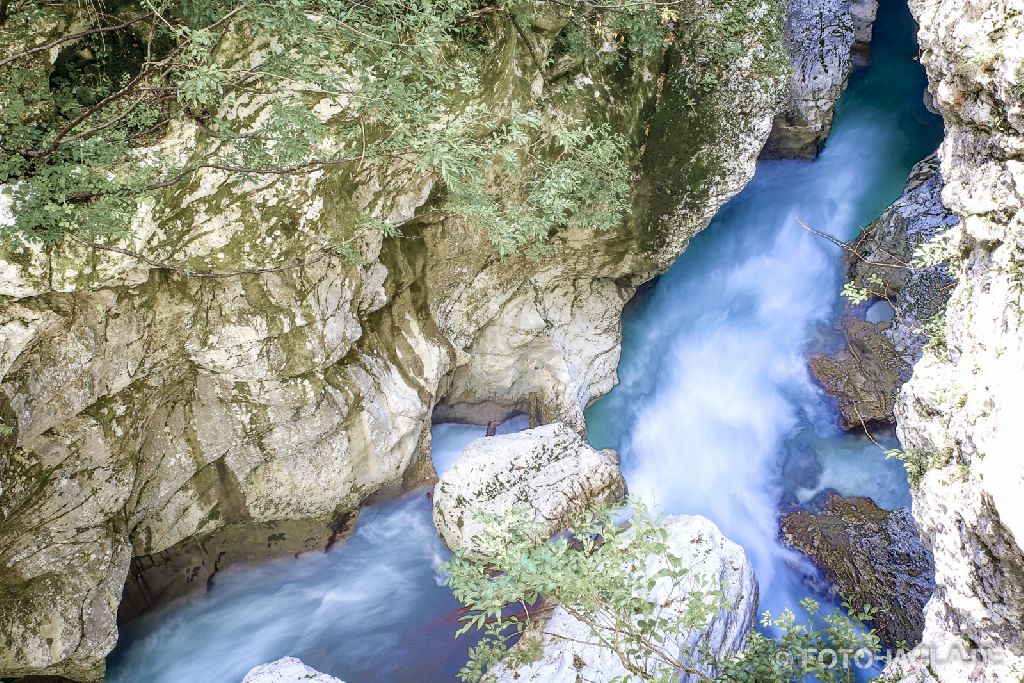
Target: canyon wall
pixel 826 40
pixel 959 416
pixel 160 415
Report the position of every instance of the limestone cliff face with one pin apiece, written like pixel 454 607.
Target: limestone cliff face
pixel 152 407
pixel 961 411
pixel 826 40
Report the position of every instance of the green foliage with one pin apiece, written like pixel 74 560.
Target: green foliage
pixel 857 294
pixel 605 575
pixel 917 463
pixel 402 82
pixel 934 330
pixel 828 653
pixel 601 579
pixel 940 249
pixel 715 47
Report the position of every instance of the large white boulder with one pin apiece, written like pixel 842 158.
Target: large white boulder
pixel 571 650
pixel 549 469
pixel 287 670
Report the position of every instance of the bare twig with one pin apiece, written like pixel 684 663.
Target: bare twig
pixel 846 247
pixel 71 37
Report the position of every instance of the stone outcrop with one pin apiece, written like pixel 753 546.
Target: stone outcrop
pixel 548 470
pixel 882 348
pixel 570 649
pixel 287 670
pixel 960 412
pixel 152 409
pixel 871 557
pixel 826 40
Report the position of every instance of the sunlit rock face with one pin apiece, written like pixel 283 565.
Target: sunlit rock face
pixel 549 472
pixel 961 410
pixel 151 408
pixel 826 40
pixel 572 651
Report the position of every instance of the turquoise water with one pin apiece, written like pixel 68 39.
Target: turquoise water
pixel 715 412
pixel 713 399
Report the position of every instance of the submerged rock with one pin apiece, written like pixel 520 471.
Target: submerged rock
pixel 801 468
pixel 571 651
pixel 867 374
pixel 872 557
pixel 826 40
pixel 287 670
pixel 549 469
pixel 864 377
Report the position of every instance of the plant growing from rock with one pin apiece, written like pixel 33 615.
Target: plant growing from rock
pixel 597 574
pixel 263 91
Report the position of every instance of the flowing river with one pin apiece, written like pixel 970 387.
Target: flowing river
pixel 715 414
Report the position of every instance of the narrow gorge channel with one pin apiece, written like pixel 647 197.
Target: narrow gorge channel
pixel 715 414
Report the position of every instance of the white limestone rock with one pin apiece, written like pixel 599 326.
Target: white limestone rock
pixel 961 410
pixel 571 652
pixel 287 670
pixel 550 469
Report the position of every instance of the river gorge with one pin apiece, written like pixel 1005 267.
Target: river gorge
pixel 713 392
pixel 221 447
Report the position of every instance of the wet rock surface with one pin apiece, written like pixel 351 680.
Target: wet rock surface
pixel 878 357
pixel 871 556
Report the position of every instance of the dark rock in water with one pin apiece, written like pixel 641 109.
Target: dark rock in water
pixel 801 468
pixel 788 502
pixel 864 377
pixel 819 502
pixel 871 556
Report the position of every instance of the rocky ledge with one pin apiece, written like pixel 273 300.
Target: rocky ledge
pixel 287 670
pixel 883 337
pixel 571 652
